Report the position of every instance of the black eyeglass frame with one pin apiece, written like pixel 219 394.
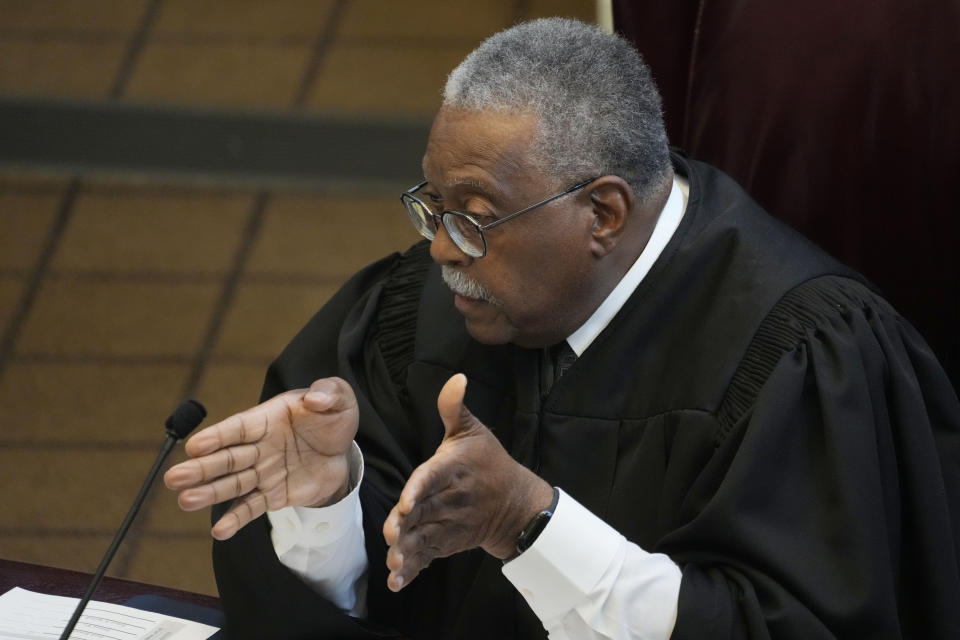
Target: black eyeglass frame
pixel 439 218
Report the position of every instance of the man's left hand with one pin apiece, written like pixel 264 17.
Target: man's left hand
pixel 470 493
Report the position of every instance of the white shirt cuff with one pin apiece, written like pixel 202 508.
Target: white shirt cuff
pixel 319 526
pixel 581 573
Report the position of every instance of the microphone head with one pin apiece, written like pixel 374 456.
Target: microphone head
pixel 185 418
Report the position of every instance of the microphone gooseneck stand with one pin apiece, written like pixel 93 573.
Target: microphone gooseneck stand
pixel 180 423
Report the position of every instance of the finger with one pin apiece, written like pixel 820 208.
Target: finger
pixel 399 520
pixel 394 559
pixel 420 545
pixel 225 488
pixel 241 513
pixel 428 479
pixel 227 461
pixel 391 526
pixel 429 510
pixel 206 468
pixel 454 414
pixel 180 476
pixel 442 505
pixel 245 427
pixel 329 395
pixel 395 580
pixel 248 426
pixel 414 552
pixel 399 574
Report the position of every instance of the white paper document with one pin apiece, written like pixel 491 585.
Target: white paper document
pixel 26 615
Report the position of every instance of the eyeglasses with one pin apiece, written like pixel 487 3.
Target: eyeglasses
pixel 462 227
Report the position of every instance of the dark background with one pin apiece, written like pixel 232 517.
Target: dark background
pixel 842 118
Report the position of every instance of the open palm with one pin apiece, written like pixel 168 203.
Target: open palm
pixel 288 451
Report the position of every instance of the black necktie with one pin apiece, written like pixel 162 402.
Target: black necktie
pixel 556 360
pixel 563 358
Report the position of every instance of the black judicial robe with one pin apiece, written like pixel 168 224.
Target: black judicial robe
pixel 755 411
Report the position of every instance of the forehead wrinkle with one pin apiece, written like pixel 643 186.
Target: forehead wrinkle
pixel 492 190
pixel 468 177
pixel 495 178
pixel 467 181
pixel 491 165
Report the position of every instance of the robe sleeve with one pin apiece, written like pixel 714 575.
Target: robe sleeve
pixel 830 506
pixel 260 596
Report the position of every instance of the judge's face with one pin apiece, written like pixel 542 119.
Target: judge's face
pixel 530 288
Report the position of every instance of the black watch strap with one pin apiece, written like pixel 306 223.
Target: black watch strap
pixel 536 525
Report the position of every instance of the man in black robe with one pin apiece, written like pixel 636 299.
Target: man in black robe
pixel 747 441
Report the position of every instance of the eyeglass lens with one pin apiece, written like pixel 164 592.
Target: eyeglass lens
pixel 463 232
pixel 421 217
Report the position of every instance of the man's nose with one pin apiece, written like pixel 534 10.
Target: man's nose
pixel 444 250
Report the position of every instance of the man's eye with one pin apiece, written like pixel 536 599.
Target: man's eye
pixel 482 219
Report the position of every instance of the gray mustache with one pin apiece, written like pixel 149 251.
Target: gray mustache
pixel 465 286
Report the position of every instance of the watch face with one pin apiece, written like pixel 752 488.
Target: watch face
pixel 532 531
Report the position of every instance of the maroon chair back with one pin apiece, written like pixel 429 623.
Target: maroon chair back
pixel 841 118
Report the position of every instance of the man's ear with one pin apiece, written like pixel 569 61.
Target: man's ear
pixel 611 199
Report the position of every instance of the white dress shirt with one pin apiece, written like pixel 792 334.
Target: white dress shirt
pixel 580 577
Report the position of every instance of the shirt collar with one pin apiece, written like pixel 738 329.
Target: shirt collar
pixel 667 223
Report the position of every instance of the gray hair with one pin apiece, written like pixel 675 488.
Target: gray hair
pixel 597 106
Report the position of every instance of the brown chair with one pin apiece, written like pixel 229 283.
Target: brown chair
pixel 841 118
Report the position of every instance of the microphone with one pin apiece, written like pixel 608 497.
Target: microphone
pixel 182 421
pixel 185 419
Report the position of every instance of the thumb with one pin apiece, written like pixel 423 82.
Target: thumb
pixel 456 417
pixel 329 395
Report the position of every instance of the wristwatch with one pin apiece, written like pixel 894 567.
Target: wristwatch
pixel 539 522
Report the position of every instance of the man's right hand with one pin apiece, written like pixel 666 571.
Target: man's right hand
pixel 291 450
